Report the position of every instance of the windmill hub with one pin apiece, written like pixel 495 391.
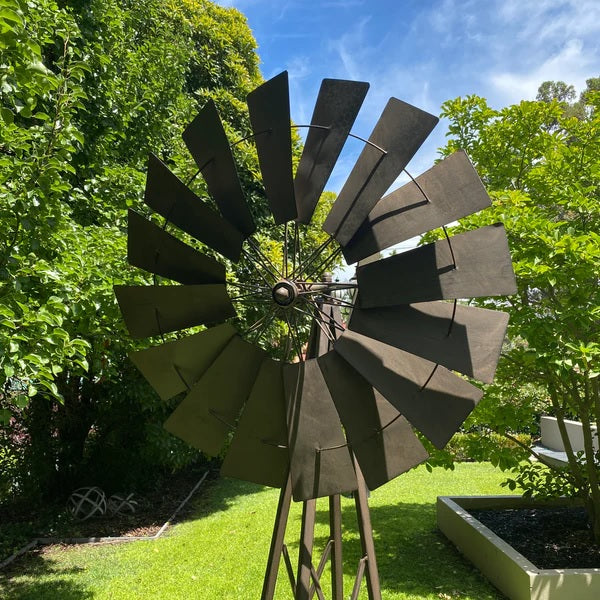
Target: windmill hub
pixel 285 293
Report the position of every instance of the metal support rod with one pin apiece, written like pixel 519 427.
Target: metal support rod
pixel 369 142
pixel 449 246
pixel 243 296
pixel 265 325
pixel 295 339
pixel 360 573
pixel 255 300
pixel 335 534
pixel 264 261
pixel 307 536
pixel 318 286
pixel 326 262
pixel 289 568
pixel 257 323
pixel 302 267
pixel 361 190
pixel 255 287
pixel 297 256
pixel 321 567
pixel 317 319
pixel 250 259
pixel 284 269
pixel 329 318
pixel 316 584
pixel 366 534
pixel 283 510
pixel 332 300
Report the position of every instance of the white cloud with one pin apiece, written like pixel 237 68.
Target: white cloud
pixel 352 49
pixel 569 64
pixel 424 52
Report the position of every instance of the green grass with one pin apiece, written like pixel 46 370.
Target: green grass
pixel 220 554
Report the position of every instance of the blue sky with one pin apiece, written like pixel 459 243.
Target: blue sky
pixel 423 52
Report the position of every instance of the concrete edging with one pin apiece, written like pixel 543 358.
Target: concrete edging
pixel 507 569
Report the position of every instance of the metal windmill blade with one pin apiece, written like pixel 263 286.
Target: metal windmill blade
pixel 323 388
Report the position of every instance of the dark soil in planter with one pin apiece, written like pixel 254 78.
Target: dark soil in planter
pixel 549 537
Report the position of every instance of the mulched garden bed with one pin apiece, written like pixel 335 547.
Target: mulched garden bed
pixel 549 537
pixel 154 507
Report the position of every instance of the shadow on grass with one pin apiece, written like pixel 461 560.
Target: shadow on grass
pixel 413 556
pixel 14 585
pixel 214 495
pixel 218 495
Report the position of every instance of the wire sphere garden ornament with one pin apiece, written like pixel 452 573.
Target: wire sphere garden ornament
pixel 121 504
pixel 87 502
pixel 360 364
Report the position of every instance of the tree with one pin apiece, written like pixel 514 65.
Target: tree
pixel 555 90
pixel 88 88
pixel 541 166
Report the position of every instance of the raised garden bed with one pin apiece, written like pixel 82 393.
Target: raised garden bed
pixel 509 570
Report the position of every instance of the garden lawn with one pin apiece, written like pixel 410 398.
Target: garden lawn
pixel 220 553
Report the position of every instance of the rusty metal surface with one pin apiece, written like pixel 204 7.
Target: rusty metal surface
pixel 208 144
pixel 269 107
pixel 151 248
pixel 389 372
pixel 470 343
pixel 174 367
pixel 400 131
pixel 320 462
pixel 259 448
pixel 432 399
pixel 171 198
pixel 352 404
pixel 154 309
pixel 336 108
pixel 427 273
pixel 453 189
pixel 209 412
pixel 382 440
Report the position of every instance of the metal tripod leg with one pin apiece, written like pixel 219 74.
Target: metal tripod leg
pixel 307 536
pixel 283 510
pixel 335 535
pixel 368 564
pixel 303 588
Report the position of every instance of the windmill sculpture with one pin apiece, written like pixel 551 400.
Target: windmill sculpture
pixel 336 413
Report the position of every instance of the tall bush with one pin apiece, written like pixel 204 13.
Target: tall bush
pixel 541 163
pixel 88 89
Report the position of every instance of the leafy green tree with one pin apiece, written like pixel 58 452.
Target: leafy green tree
pixel 541 167
pixel 89 88
pixel 65 186
pixel 556 90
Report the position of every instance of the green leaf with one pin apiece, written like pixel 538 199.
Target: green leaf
pixel 7 115
pixel 21 401
pixel 39 67
pixel 7 14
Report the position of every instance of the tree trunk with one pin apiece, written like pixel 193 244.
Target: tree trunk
pixel 592 475
pixel 40 451
pixel 74 420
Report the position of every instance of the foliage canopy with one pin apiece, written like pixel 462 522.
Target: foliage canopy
pixel 88 89
pixel 540 163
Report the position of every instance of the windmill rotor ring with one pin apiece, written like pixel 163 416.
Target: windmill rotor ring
pixel 393 351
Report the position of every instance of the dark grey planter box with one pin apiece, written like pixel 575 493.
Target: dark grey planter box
pixel 508 570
